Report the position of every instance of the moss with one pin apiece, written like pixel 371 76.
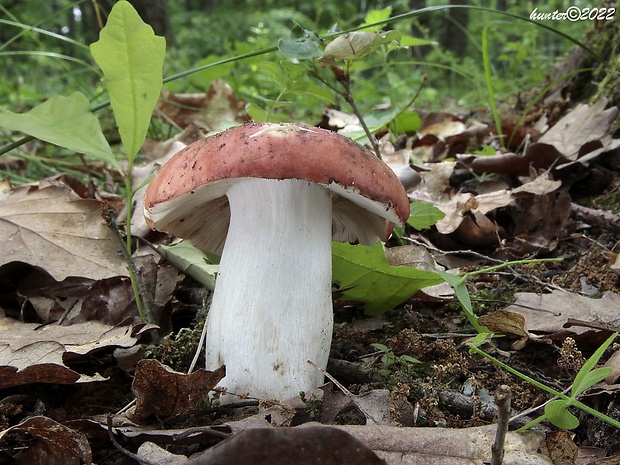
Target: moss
pixel 178 350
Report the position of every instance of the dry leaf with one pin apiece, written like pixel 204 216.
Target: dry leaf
pixel 445 446
pixel 581 125
pixel 152 453
pixel 214 111
pixel 442 125
pixel 162 392
pixel 51 227
pixel 48 442
pixel 614 363
pixel 538 156
pixel 561 448
pixel 31 353
pixel 505 322
pixel 547 313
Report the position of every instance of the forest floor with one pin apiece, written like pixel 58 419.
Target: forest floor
pixel 552 193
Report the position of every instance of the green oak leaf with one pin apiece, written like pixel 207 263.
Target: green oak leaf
pixel 423 215
pixel 364 275
pixel 63 121
pixel 131 57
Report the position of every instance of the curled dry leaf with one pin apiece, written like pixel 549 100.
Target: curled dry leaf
pixel 48 442
pixel 31 353
pixel 583 124
pixel 162 392
pixel 509 323
pixel 51 227
pixel 538 156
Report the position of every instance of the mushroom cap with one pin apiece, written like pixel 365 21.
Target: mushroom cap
pixel 187 197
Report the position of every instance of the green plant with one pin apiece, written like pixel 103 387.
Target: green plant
pixel 391 361
pixel 462 294
pixel 131 57
pixel 557 411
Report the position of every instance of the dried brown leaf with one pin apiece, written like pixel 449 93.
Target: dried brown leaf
pixel 51 227
pixel 49 442
pixel 548 313
pixel 214 110
pixel 561 448
pixel 31 353
pixel 581 125
pixel 162 392
pixel 538 156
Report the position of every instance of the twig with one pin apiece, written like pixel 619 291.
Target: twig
pixel 140 293
pixel 348 96
pixel 503 397
pixel 473 253
pixel 122 450
pixel 600 218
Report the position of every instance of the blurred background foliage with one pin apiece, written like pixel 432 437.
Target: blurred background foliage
pixel 43 49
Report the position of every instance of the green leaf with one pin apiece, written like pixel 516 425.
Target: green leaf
pixel 557 414
pixel 274 72
pixel 410 41
pixel 408 121
pixel 583 377
pixel 590 379
pixel 486 150
pixel 462 294
pixel 380 347
pixel 423 215
pixel 66 122
pixel 304 45
pixel 131 57
pixel 367 277
pixel 202 79
pixel 376 16
pixel 191 261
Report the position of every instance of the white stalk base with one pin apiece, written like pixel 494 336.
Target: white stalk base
pixel 272 307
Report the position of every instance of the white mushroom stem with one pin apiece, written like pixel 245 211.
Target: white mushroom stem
pixel 272 307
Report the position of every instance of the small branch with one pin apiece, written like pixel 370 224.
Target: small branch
pixel 503 398
pixel 122 450
pixel 600 218
pixel 348 96
pixel 140 293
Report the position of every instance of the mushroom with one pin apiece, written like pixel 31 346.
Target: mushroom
pixel 270 198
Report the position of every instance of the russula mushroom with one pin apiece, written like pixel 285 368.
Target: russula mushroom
pixel 270 198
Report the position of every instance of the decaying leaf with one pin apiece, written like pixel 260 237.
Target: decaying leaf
pixel 31 353
pixel 164 393
pixel 548 313
pixel 467 446
pixel 51 227
pixel 538 156
pixel 505 322
pixel 49 443
pixel 213 111
pixel 583 124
